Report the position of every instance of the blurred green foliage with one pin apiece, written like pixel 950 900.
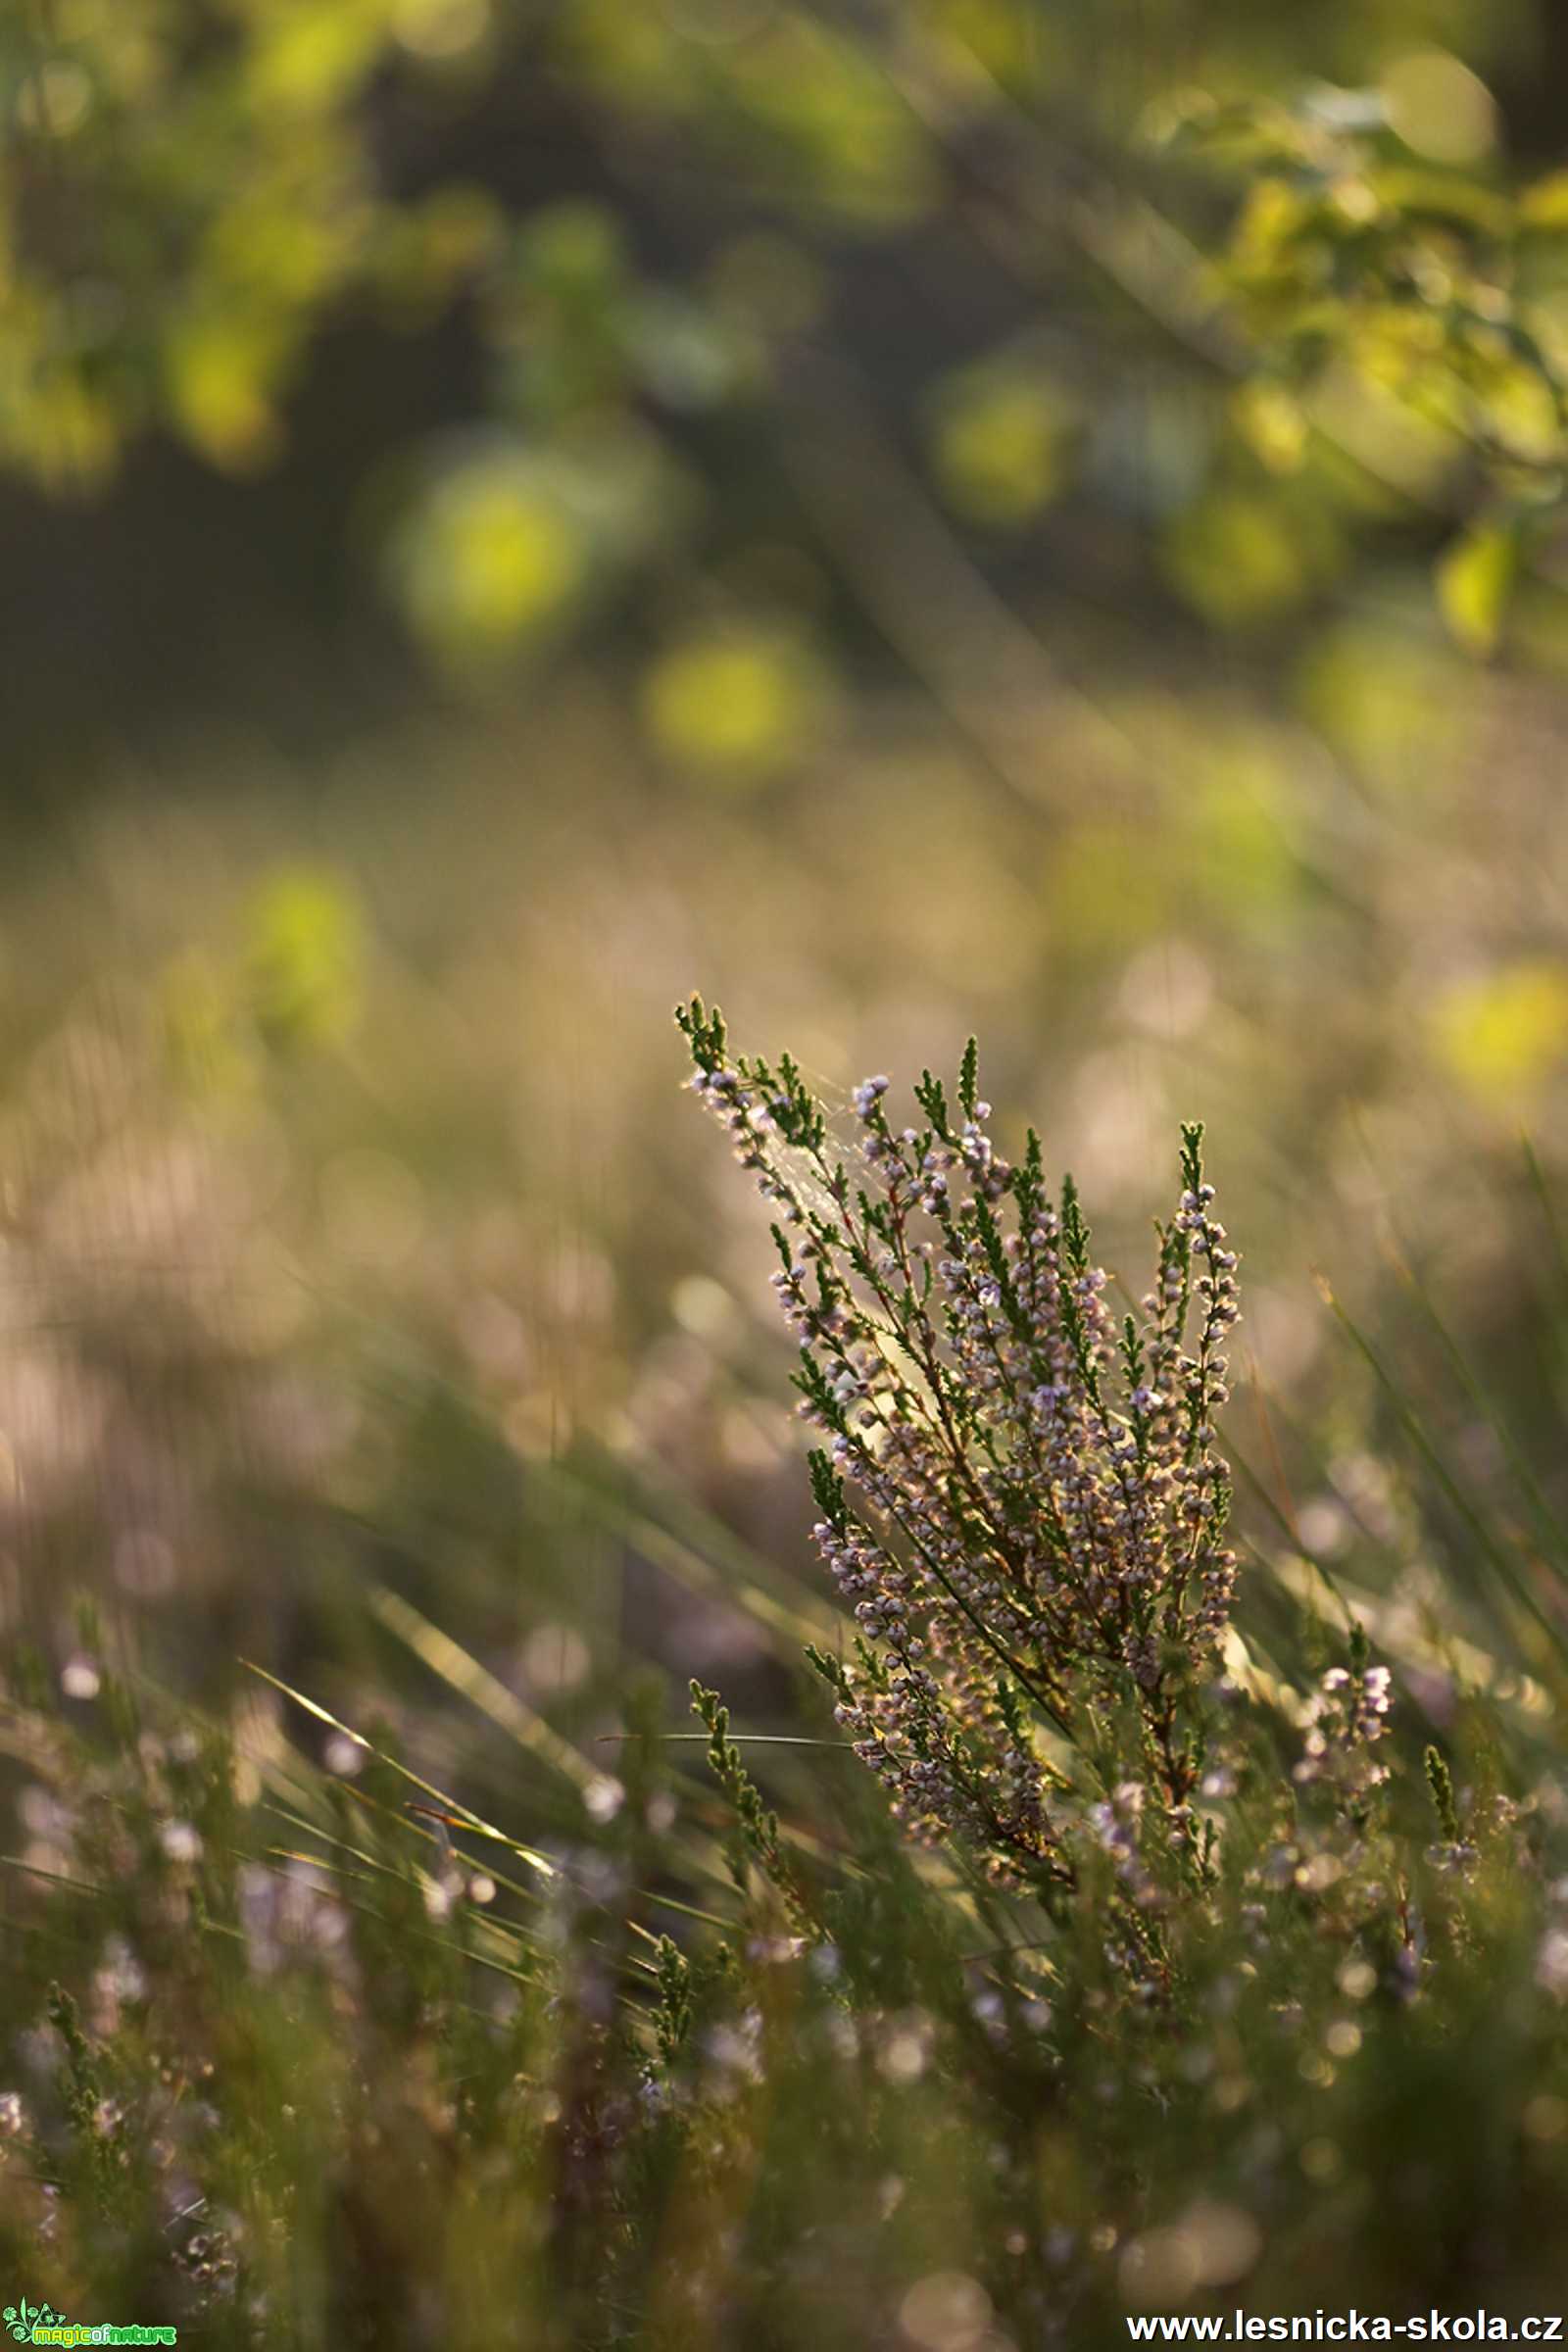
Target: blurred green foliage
pixel 1328 313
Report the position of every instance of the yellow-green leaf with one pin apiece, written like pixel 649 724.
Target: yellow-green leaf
pixel 1545 204
pixel 1473 579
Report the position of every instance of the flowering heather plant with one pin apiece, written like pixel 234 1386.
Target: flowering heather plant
pixel 1020 1496
pixel 1348 1718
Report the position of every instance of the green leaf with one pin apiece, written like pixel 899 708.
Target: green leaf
pixel 1474 577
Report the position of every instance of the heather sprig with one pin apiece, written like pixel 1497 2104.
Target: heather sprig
pixel 672 2018
pixel 1020 1500
pixel 1440 1781
pixel 1347 1720
pixel 758 1823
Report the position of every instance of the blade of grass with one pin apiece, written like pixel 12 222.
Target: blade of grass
pixel 1547 1525
pixel 470 1819
pixel 1465 1510
pixel 461 1672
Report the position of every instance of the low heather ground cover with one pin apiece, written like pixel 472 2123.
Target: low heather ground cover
pixel 1073 1954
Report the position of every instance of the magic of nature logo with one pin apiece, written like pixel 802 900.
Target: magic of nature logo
pixel 40 2324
